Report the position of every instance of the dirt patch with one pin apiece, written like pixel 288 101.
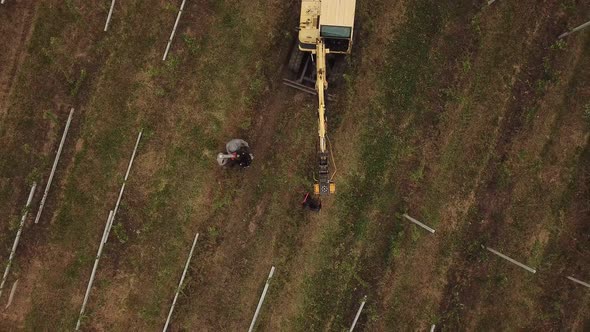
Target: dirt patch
pixel 113 312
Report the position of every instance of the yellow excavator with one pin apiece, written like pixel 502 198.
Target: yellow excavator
pixel 325 30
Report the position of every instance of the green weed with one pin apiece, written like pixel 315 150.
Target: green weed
pixel 213 233
pixel 120 233
pixel 586 114
pixel 78 83
pixel 418 173
pixel 504 176
pixel 559 45
pixel 194 46
pixel 466 65
pixel 51 116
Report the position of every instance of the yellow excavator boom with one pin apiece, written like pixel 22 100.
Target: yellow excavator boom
pixel 324 186
pixel 325 26
pixel 321 85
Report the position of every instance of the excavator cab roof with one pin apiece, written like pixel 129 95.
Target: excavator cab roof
pixel 337 13
pixel 332 20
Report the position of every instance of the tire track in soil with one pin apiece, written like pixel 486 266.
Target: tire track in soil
pixel 34 250
pixel 228 264
pixel 568 253
pixel 17 19
pixel 461 290
pixel 226 278
pixel 227 281
pixel 44 138
pixel 378 273
pixel 16 27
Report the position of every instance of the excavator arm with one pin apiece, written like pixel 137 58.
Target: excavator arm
pixel 325 26
pixel 324 185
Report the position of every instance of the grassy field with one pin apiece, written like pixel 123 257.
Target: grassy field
pixel 474 119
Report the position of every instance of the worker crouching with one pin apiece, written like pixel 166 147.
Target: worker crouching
pixel 238 154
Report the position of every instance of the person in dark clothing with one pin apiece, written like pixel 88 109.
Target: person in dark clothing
pixel 243 158
pixel 238 153
pixel 311 203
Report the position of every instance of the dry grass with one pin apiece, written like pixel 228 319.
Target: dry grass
pixel 436 117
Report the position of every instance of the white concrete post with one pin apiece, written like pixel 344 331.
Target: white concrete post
pixel 253 323
pixel 93 274
pixel 585 25
pixel 530 269
pixel 579 282
pixel 126 177
pixel 61 144
pixel 17 238
pixel 188 261
pixel 418 223
pixel 358 313
pixel 11 296
pixel 173 31
pixel 106 25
